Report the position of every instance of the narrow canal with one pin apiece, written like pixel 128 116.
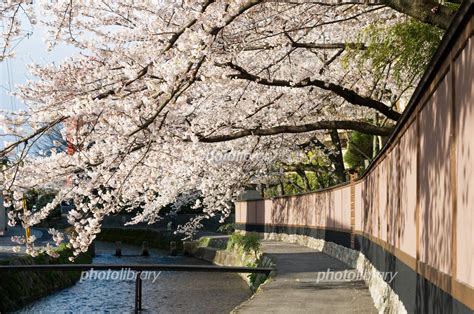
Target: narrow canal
pixel 172 292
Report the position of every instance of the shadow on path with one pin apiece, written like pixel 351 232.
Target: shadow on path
pixel 306 282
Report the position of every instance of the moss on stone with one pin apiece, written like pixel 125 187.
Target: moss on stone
pixel 204 241
pixel 236 250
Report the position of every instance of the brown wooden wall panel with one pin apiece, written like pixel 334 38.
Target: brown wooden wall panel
pixel 382 199
pixel 292 217
pixel 370 204
pixel 243 212
pixel 292 211
pixel 346 207
pixel 311 211
pixel 252 212
pixel 364 206
pixel 299 207
pixel 237 212
pixel 393 197
pixel 337 208
pixel 278 211
pixel 358 206
pixel 315 211
pixel 307 209
pixel 268 205
pixel 286 211
pixel 260 211
pixel 408 190
pixel 321 209
pixel 287 214
pixel 330 216
pixel 434 181
pixel 464 95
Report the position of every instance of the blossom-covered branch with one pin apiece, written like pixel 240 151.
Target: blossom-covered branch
pixel 321 125
pixel 173 103
pixel 349 95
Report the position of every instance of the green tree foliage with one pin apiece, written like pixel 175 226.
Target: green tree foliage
pixel 452 5
pixel 406 47
pixel 317 172
pixel 359 148
pixel 227 228
pixel 248 243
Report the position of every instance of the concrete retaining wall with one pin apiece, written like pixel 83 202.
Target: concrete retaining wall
pixel 18 289
pixel 217 254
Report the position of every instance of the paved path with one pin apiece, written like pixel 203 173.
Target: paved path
pixel 296 289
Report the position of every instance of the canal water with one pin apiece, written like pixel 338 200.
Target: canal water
pixel 172 292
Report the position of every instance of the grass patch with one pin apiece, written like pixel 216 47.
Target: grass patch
pixel 204 241
pixel 247 243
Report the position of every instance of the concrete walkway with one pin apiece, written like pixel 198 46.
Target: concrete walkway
pixel 296 288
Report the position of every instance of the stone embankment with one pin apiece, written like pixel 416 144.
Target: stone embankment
pixel 216 249
pixel 20 288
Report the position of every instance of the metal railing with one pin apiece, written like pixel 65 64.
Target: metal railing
pixel 138 268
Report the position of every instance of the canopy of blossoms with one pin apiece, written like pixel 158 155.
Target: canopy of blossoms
pixel 171 102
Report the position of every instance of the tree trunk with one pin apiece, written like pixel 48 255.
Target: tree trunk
pixel 425 11
pixel 303 176
pixel 338 161
pixel 282 189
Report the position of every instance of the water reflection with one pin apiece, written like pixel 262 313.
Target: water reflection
pixel 172 292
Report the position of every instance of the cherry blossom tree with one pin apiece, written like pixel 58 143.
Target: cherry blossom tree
pixel 172 102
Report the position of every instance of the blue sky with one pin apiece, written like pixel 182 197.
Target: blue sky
pixel 28 49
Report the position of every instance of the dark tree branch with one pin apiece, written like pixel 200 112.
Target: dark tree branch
pixel 335 158
pixel 331 60
pixel 25 139
pixel 348 94
pixel 425 11
pixel 362 127
pixel 302 174
pixel 340 170
pixel 309 45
